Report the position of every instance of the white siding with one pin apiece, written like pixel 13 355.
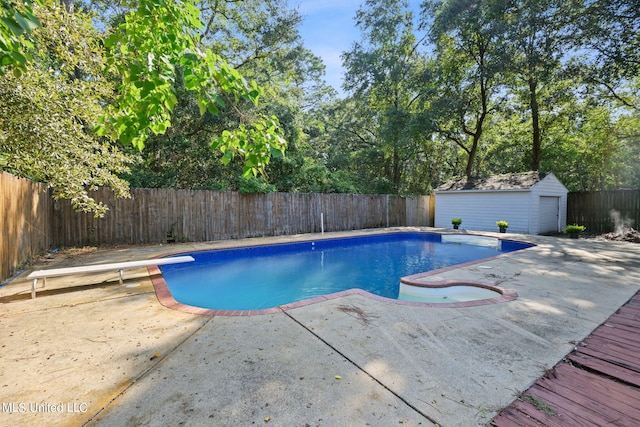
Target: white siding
pixel 550 186
pixel 480 210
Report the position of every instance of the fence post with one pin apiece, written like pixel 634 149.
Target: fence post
pixel 387 211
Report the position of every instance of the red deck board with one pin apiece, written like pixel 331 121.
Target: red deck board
pixel 633 303
pixel 605 368
pixel 598 394
pixel 616 348
pixel 511 418
pixel 602 387
pixel 623 339
pixel 514 418
pixel 617 359
pixel 608 370
pixel 569 412
pixel 621 326
pixel 536 416
pixel 621 322
pixel 627 337
pixel 630 313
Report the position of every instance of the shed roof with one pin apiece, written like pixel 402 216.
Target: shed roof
pixel 513 181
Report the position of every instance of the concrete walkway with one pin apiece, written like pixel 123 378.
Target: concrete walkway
pixel 89 350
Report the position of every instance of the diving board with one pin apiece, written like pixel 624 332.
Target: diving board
pixel 116 266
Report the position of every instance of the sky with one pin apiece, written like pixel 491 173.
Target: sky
pixel 328 29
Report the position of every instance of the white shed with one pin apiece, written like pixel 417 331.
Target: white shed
pixel 532 203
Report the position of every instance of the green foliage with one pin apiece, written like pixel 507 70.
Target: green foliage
pixel 258 144
pixel 625 160
pixel 416 116
pixel 145 51
pixel 502 87
pixel 384 73
pixel 574 229
pixel 502 224
pixel 607 34
pixel 581 146
pixel 151 54
pixel 456 221
pixel 48 113
pixel 542 112
pixel 533 58
pixel 468 69
pixel 314 177
pixel 17 21
pixel 539 404
pixel 261 39
pixel 254 184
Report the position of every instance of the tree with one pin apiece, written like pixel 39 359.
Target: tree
pixel 626 163
pixel 585 147
pixel 267 48
pixel 383 73
pixel 261 38
pixel 535 44
pixel 347 141
pixel 610 32
pixel 154 43
pixel 468 69
pixel 146 50
pixel 47 114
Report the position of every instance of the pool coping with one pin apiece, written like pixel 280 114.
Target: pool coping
pixel 164 296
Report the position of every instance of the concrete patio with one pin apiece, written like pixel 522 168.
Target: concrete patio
pixel 90 351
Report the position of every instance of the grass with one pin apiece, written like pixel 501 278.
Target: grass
pixel 539 404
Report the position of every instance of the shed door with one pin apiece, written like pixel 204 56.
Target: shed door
pixel 549 213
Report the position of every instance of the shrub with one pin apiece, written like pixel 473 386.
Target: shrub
pixel 574 229
pixel 254 184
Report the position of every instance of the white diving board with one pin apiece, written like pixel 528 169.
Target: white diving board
pixel 116 266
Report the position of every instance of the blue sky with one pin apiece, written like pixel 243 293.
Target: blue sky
pixel 328 29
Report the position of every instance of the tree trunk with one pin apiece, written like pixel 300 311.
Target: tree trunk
pixel 472 155
pixel 397 171
pixel 477 133
pixel 476 138
pixel 535 123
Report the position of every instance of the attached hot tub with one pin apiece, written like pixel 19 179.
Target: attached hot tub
pixel 417 289
pixel 459 292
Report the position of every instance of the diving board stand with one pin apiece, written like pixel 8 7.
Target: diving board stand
pixel 116 266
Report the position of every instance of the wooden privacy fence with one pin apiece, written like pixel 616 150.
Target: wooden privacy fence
pixel 31 222
pixel 25 221
pixel 603 211
pixel 154 215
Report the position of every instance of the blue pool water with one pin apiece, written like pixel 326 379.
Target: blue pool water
pixel 260 277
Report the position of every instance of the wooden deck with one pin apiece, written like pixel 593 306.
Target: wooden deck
pixel 597 384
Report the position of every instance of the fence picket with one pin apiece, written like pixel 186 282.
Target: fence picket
pixel 593 209
pixel 31 222
pixel 190 215
pixel 26 217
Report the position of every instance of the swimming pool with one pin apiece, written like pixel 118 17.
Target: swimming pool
pixel 261 277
